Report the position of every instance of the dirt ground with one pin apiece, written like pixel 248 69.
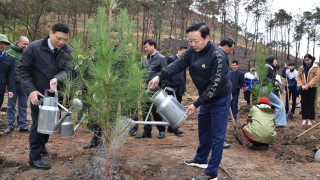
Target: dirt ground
pixel 162 159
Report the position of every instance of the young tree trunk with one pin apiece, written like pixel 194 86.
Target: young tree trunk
pixel 143 28
pixel 137 30
pixel 9 20
pixel 296 51
pixel 314 45
pixel 299 47
pixel 171 26
pixel 75 20
pixel 288 55
pixel 236 12
pixel 245 52
pixel 14 29
pixel 175 26
pixel 308 44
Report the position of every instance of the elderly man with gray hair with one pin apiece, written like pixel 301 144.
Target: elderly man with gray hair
pixel 16 50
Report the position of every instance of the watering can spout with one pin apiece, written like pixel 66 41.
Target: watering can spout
pixel 58 123
pixel 132 122
pixel 76 104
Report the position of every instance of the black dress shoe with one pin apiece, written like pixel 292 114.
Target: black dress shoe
pixel 178 131
pixel 143 135
pixel 44 151
pixel 161 134
pixel 39 164
pixel 8 130
pixel 291 115
pixel 133 131
pixel 24 130
pixel 93 144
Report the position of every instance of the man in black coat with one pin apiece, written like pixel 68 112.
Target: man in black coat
pixel 43 65
pixel 227 45
pixel 7 65
pixel 237 80
pixel 177 83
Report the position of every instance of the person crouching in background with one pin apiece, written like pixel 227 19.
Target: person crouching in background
pixel 261 125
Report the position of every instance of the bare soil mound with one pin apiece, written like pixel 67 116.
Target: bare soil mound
pixel 162 159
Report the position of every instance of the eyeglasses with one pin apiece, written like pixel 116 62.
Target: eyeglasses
pixel 61 39
pixel 195 41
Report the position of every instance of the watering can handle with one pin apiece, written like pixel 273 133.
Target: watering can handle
pixel 40 102
pixel 55 92
pixel 170 89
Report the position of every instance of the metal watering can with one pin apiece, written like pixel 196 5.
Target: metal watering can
pixel 49 113
pixel 67 130
pixel 167 107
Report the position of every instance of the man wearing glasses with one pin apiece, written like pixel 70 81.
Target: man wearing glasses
pixel 43 65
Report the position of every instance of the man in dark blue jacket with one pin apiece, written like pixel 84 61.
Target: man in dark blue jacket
pixel 237 80
pixel 292 84
pixel 209 70
pixel 177 83
pixel 6 69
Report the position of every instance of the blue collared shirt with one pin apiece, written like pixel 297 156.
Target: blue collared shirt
pixel 50 45
pixel 2 53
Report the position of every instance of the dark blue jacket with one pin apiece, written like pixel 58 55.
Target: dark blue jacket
pixel 178 81
pixel 7 72
pixel 251 79
pixel 237 81
pixel 209 70
pixel 291 78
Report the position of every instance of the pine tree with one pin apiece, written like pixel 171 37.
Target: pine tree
pixel 110 77
pixel 258 90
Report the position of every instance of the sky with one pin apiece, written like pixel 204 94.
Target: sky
pixel 294 7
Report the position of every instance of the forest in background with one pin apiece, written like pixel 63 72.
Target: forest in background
pixel 168 19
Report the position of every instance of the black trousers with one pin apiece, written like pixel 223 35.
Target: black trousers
pixel 97 132
pixel 37 140
pixel 307 103
pixel 179 98
pixel 156 117
pixel 247 95
pixel 294 97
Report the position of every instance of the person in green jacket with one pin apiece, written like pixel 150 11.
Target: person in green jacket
pixel 260 127
pixel 16 50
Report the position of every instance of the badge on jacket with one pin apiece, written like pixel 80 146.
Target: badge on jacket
pixel 203 66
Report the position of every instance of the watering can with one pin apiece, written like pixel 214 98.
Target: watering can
pixel 167 107
pixel 317 156
pixel 49 113
pixel 67 130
